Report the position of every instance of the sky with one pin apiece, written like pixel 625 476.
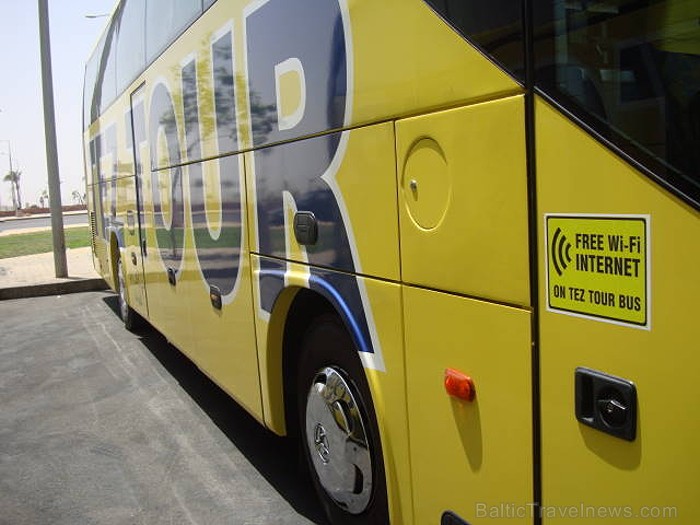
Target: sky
pixel 73 37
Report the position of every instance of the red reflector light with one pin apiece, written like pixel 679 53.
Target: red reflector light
pixel 459 385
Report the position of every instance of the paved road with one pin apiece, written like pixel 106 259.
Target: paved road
pixel 42 222
pixel 100 426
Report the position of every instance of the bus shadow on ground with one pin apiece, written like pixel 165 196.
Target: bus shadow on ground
pixel 274 457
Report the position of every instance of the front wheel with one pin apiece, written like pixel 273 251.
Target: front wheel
pixel 340 437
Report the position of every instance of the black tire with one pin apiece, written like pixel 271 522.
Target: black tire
pixel 131 319
pixel 338 429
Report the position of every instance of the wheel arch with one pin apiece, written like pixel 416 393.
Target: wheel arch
pixel 114 255
pixel 293 312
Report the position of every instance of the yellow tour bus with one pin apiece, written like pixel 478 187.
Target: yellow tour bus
pixel 451 248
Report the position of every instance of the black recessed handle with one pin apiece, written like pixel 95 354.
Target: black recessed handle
pixel 606 403
pixel 130 220
pixel 305 228
pixel 172 277
pixel 215 297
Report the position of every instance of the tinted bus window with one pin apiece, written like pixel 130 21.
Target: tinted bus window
pixel 630 69
pixel 495 26
pixel 165 20
pixel 131 52
pixel 91 71
pixel 107 76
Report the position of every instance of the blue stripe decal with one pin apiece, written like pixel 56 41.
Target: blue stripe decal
pixel 350 319
pixel 331 285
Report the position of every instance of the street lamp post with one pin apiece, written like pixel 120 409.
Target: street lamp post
pixel 59 242
pixel 9 151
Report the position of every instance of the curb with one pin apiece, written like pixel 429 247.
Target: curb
pixel 11 218
pixel 58 288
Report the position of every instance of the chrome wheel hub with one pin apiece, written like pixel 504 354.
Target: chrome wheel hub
pixel 321 442
pixel 337 441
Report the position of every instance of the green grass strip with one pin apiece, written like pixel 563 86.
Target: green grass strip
pixel 41 242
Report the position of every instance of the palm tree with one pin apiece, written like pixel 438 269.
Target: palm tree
pixel 13 178
pixel 44 198
pixel 78 197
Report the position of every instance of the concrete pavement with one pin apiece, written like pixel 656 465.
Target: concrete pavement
pixel 34 275
pixel 102 426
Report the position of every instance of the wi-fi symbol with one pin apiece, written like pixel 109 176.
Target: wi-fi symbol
pixel 561 256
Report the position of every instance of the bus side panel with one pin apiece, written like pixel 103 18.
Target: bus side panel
pixel 655 474
pixel 128 212
pixel 388 389
pixel 352 195
pixel 98 188
pixel 94 212
pixel 131 249
pixel 348 181
pixel 170 264
pixel 463 215
pixel 463 201
pixel 111 188
pixel 467 456
pixel 169 308
pixel 362 181
pixel 408 61
pixel 225 345
pixel 100 246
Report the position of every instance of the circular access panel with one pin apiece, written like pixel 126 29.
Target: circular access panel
pixel 426 184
